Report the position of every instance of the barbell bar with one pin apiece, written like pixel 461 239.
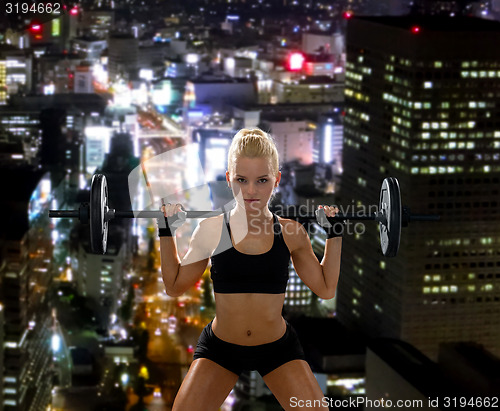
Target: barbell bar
pixel 391 215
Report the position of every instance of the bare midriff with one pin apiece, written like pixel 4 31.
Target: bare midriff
pixel 249 319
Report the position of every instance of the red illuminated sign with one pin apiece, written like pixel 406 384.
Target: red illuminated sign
pixel 35 27
pixel 295 61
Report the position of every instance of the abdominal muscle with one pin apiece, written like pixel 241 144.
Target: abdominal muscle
pixel 249 319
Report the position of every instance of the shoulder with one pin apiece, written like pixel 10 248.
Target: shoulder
pixel 294 233
pixel 208 231
pixel 211 222
pixel 210 226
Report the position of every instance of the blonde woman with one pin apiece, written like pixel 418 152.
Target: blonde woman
pixel 250 250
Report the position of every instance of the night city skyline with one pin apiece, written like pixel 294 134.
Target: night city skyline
pixel 352 91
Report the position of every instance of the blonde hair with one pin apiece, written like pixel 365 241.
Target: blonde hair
pixel 253 143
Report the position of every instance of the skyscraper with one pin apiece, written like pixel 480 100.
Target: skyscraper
pixel 422 106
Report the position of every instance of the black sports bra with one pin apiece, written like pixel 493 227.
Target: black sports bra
pixel 236 272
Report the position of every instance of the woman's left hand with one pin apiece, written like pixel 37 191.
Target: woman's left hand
pixel 333 228
pixel 330 211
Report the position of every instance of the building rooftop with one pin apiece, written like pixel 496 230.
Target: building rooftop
pixel 413 366
pixel 478 357
pixel 435 23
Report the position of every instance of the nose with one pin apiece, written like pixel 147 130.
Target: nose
pixel 252 188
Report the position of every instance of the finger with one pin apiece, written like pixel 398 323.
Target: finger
pixel 328 211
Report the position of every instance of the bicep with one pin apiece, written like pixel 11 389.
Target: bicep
pixel 195 262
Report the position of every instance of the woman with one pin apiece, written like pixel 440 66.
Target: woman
pixel 250 249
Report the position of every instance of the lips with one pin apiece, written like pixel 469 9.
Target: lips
pixel 251 200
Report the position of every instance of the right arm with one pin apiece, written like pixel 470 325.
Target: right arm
pixel 179 276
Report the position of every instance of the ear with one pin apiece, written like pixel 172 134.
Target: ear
pixel 228 179
pixel 278 179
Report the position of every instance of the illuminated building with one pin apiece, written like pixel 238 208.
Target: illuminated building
pixel 424 109
pixel 26 251
pixel 54 34
pixel 329 43
pixel 89 48
pixel 448 7
pixel 3 82
pixel 293 136
pixel 214 146
pixel 123 53
pixel 83 80
pixel 238 66
pixel 329 139
pixel 97 22
pixel 101 276
pixel 16 67
pixel 23 130
pixel 317 89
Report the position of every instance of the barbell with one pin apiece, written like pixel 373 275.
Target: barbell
pixel 391 215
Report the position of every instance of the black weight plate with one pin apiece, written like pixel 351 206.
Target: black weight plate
pixel 98 210
pixel 390 206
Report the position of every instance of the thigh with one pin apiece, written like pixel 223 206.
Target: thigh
pixel 205 386
pixel 295 387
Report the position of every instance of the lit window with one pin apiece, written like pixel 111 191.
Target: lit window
pixel 428 84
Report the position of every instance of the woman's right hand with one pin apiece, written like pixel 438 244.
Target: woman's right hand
pixel 174 217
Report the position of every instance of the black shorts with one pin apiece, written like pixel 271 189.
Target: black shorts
pixel 238 358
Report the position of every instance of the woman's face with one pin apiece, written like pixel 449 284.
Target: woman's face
pixel 252 181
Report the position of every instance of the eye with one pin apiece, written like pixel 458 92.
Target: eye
pixel 263 180
pixel 240 180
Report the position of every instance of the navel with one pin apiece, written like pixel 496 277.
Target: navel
pixel 249 333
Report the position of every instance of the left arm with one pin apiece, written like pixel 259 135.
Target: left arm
pixel 321 278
